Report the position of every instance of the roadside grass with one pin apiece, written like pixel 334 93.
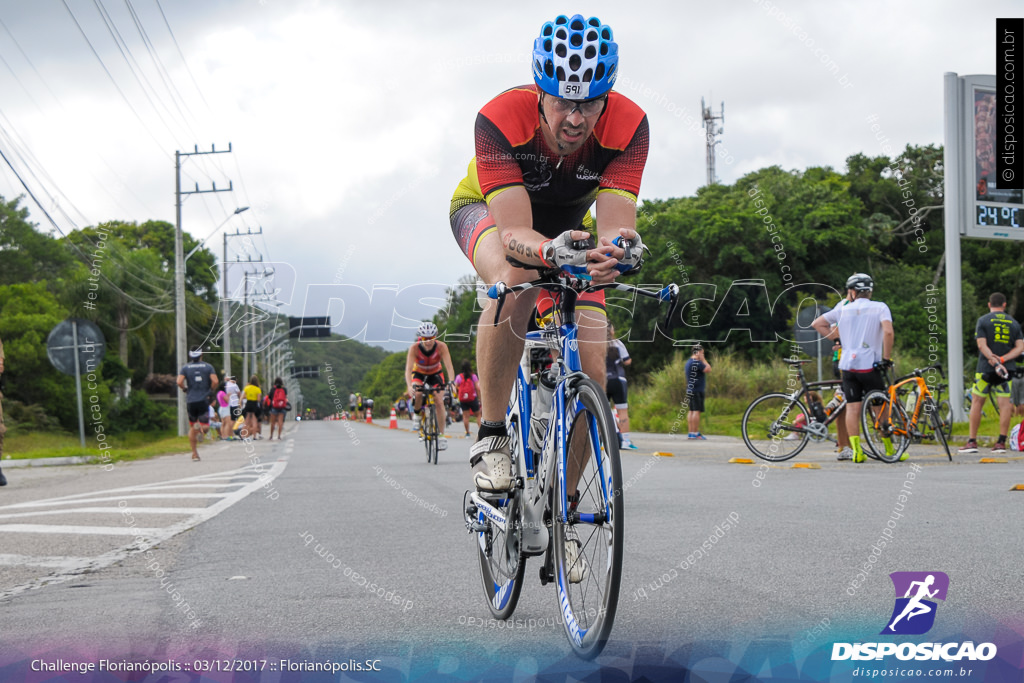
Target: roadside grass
pixel 123 447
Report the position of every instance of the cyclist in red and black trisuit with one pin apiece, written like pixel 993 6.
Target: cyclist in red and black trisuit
pixel 544 154
pixel 423 367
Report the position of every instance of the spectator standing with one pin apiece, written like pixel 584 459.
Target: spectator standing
pixel 251 410
pixel 694 370
pixel 278 407
pixel 1000 343
pixel 351 406
pixel 616 362
pixel 198 380
pixel 467 387
pixel 3 428
pixel 224 413
pixel 234 393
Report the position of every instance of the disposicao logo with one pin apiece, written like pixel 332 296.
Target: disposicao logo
pixel 914 614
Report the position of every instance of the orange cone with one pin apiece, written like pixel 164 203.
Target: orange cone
pixel 394 420
pixel 369 416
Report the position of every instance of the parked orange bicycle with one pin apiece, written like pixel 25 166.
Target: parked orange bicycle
pixel 884 415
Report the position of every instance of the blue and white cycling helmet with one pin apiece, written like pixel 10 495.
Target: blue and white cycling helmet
pixel 427 330
pixel 575 58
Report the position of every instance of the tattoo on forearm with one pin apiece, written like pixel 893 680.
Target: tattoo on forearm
pixel 519 248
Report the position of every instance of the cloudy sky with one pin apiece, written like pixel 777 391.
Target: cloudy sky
pixel 351 123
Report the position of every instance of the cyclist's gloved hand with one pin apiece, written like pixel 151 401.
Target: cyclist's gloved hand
pixel 567 254
pixel 633 259
pixel 882 365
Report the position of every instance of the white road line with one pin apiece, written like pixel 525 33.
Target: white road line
pixel 27 561
pixel 136 496
pixel 104 511
pixel 147 538
pixel 69 529
pixel 244 471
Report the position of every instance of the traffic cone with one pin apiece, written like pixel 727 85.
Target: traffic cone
pixel 394 420
pixel 369 416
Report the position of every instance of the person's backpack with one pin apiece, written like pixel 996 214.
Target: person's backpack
pixel 467 390
pixel 280 400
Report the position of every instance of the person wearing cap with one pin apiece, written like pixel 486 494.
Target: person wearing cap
pixel 694 371
pixel 1000 343
pixel 198 380
pixel 865 326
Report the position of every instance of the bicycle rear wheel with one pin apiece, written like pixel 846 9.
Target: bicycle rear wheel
pixel 587 576
pixel 770 427
pixel 882 419
pixel 934 414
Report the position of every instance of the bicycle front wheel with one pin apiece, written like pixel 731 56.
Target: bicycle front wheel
pixel 430 433
pixel 771 427
pixel 935 414
pixel 587 522
pixel 883 420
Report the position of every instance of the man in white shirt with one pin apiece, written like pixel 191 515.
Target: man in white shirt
pixel 234 397
pixel 865 326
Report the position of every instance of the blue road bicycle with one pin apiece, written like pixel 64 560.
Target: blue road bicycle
pixel 565 504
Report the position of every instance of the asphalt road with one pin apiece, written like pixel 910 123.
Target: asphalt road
pixel 341 542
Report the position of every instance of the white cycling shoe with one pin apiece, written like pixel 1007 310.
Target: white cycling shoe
pixel 575 564
pixel 491 460
pixel 442 443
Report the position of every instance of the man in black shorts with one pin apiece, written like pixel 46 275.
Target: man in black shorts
pixel 198 380
pixel 1000 342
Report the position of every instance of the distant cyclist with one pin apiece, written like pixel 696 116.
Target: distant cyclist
pixel 865 326
pixel 467 388
pixel 198 380
pixel 545 153
pixel 1000 343
pixel 423 366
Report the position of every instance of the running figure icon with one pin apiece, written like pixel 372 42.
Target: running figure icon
pixel 919 591
pixel 915 606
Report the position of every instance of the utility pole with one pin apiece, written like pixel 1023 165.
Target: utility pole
pixel 181 338
pixel 710 137
pixel 226 332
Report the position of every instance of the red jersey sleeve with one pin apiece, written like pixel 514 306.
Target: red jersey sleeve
pixel 624 127
pixel 507 122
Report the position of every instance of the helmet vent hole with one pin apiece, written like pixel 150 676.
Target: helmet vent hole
pixel 547 30
pixel 591 36
pixel 576 39
pixel 577 25
pixel 595 22
pixel 562 20
pixel 611 72
pixel 575 62
pixel 547 45
pixel 560 73
pixel 604 49
pixel 560 50
pixel 574 79
pixel 561 33
pixel 549 68
pixel 590 52
pixel 588 75
pixel 599 74
pixel 606 33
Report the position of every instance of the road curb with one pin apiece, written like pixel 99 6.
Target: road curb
pixel 49 462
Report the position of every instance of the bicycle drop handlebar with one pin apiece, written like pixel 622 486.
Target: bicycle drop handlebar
pixel 555 280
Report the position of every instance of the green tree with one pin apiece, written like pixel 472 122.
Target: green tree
pixel 27 255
